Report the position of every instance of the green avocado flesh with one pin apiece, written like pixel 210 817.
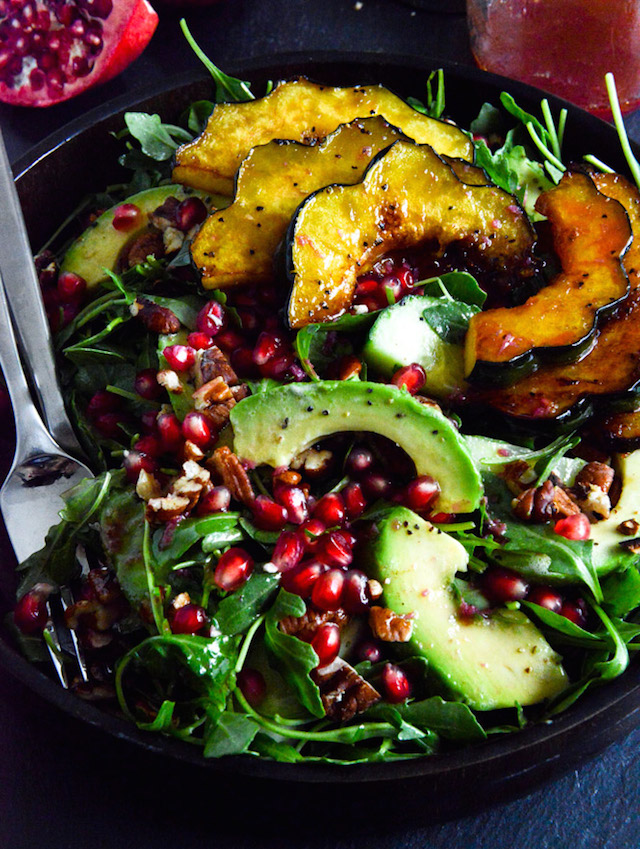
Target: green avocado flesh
pixel 401 336
pixel 101 245
pixel 273 427
pixel 489 662
pixel 607 552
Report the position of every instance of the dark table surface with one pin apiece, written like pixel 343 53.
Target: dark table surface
pixel 65 785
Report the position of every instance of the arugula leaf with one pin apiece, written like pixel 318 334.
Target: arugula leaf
pixel 311 339
pixel 296 658
pixel 451 720
pixel 435 104
pixel 232 734
pixel 193 530
pixel 158 141
pixel 227 88
pixel 621 592
pixel 450 320
pixel 458 285
pixel 239 609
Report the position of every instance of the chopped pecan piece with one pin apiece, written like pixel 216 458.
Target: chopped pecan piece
pixel 631 545
pixel 343 691
pixel 518 475
pixel 306 626
pixel 591 489
pixel 233 474
pixel 313 461
pixel 239 391
pixel 149 243
pixel 218 415
pixel 544 503
pixel 147 486
pixel 374 588
pixel 191 451
pixel 166 214
pixel 212 363
pixel 212 392
pixel 169 380
pixel 286 477
pixel 390 627
pixel 165 508
pixel 629 528
pixel 155 318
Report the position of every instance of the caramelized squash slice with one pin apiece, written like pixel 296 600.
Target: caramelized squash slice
pixel 612 367
pixel 305 112
pixel 590 235
pixel 238 244
pixel 408 196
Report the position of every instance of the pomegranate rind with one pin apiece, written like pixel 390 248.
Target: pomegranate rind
pixel 127 31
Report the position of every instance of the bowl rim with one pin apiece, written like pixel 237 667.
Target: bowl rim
pixel 504 757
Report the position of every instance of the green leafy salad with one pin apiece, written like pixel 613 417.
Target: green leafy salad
pixel 366 488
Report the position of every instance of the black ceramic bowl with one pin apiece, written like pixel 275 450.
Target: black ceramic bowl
pixel 51 181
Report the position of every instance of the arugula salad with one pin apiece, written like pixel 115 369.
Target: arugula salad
pixel 366 487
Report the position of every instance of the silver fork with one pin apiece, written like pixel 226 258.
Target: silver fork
pixel 31 496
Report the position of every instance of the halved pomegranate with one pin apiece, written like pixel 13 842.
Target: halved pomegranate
pixel 51 50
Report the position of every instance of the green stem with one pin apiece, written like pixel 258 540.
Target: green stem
pixel 598 163
pixel 246 644
pixel 544 150
pixel 154 593
pixel 634 165
pixel 551 127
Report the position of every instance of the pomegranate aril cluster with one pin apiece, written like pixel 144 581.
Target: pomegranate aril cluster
pixel 388 285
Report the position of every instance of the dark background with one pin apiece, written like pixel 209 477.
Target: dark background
pixel 65 785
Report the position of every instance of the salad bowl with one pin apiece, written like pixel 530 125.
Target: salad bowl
pixel 51 181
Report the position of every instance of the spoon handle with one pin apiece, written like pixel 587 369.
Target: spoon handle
pixel 23 293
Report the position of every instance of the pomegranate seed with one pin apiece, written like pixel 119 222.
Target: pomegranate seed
pixel 395 683
pixel 150 445
pixel 575 611
pixel 327 590
pixel 277 367
pixel 330 509
pixel 500 584
pixel 334 549
pixel 170 431
pixel 149 422
pixel 30 614
pixel 196 428
pixel 179 357
pixel 146 384
pixel 355 598
pixel 420 493
pixel 268 514
pixel 312 530
pixel 103 402
pixel 367 286
pixel 412 378
pixel 249 321
pixel 127 217
pixel 233 569
pixel 242 361
pixel 326 643
pixel 252 685
pixel 368 650
pixel 360 460
pixel 108 425
pixel 546 597
pixel 190 212
pixel 135 462
pixel 288 551
pixel 217 500
pixel 211 318
pixel 442 518
pixel 300 580
pixel 573 527
pixel 354 499
pixel 296 373
pixel 295 501
pixel 199 341
pixel 71 287
pixel 188 619
pixel 266 348
pixel 229 339
pixel 376 485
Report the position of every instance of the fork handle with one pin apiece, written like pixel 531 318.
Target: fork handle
pixel 23 293
pixel 32 437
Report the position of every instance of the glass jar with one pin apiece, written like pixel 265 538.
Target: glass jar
pixel 563 46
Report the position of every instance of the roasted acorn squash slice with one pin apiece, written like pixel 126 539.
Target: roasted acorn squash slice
pixel 238 244
pixel 305 112
pixel 557 325
pixel 611 369
pixel 408 196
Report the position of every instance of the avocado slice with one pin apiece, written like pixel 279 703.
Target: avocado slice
pixel 101 245
pixel 275 426
pixel 608 554
pixel 489 662
pixel 401 336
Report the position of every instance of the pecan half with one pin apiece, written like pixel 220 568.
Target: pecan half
pixel 544 503
pixel 212 363
pixel 149 243
pixel 629 528
pixel 304 627
pixel 591 489
pixel 212 392
pixel 233 474
pixel 390 627
pixel 343 691
pixel 155 318
pixel 166 214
